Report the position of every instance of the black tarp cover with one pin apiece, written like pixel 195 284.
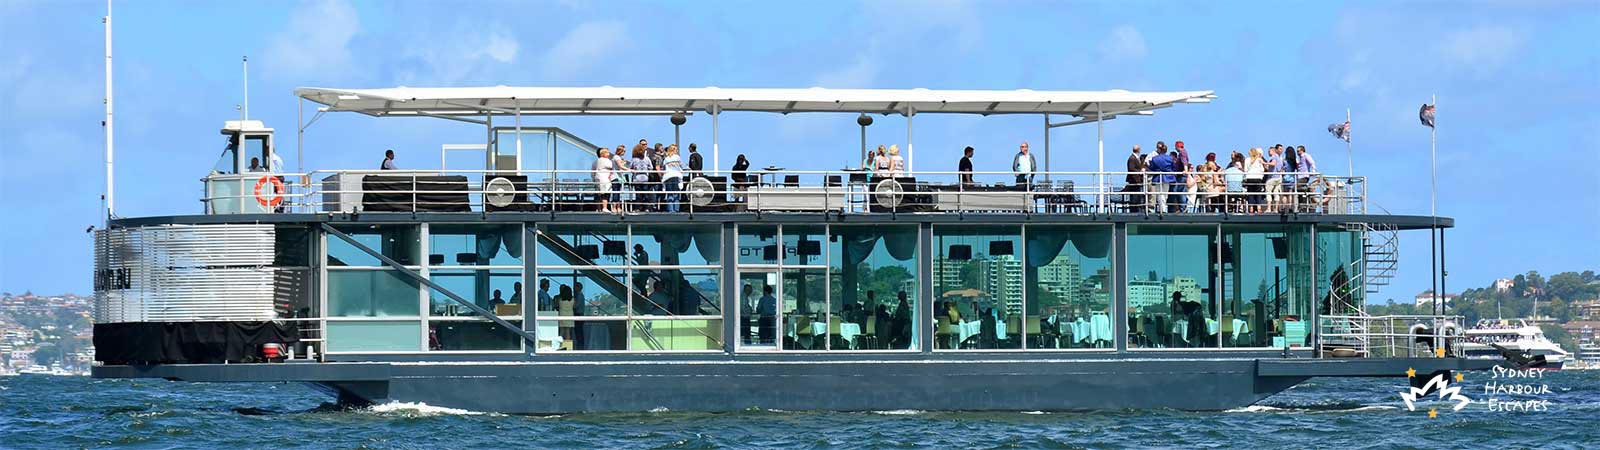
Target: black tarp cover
pixel 187 342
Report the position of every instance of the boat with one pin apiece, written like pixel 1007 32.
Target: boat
pixel 1493 338
pixel 1587 357
pixel 505 285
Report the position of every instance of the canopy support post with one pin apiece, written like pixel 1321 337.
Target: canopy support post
pixel 299 138
pixel 910 157
pixel 1047 147
pixel 1100 145
pixel 110 196
pixel 716 150
pixel 519 140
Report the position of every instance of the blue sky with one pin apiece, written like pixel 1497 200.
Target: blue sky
pixel 1517 84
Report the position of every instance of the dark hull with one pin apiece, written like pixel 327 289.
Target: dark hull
pixel 997 384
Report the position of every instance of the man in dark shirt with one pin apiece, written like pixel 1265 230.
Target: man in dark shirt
pixel 696 164
pixel 1135 180
pixel 966 166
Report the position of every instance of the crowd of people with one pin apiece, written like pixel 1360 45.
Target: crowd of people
pixel 1281 179
pixel 652 177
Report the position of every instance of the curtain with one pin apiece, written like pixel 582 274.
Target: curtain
pixel 1093 244
pixel 488 246
pixel 902 246
pixel 1043 247
pixel 709 243
pixel 858 245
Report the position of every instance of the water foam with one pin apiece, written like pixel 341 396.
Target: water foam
pixel 1257 409
pixel 898 412
pixel 420 408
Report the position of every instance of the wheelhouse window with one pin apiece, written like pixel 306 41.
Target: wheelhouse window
pixel 401 243
pixel 873 287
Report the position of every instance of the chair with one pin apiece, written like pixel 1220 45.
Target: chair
pixel 945 330
pixel 791 180
pixel 833 329
pixel 1033 331
pixel 1226 329
pixel 870 334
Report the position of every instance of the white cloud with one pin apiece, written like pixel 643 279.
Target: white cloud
pixel 316 40
pixel 582 48
pixel 1125 43
pixel 1483 48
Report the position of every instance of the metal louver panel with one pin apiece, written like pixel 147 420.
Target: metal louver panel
pixel 181 273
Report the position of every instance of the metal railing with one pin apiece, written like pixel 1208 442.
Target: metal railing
pixel 778 190
pixel 1394 336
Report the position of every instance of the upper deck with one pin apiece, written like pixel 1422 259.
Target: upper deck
pixel 529 169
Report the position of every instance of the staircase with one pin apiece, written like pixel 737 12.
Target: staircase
pixel 1381 246
pixel 568 253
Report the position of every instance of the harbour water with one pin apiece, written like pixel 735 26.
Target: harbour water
pixel 79 412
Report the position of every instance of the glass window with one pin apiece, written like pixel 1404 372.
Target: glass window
pixel 758 313
pixel 467 335
pixel 583 245
pixel 758 244
pixel 978 281
pixel 873 287
pixel 1068 295
pixel 400 336
pixel 676 335
pixel 474 245
pixel 677 245
pixel 568 335
pixel 803 299
pixel 401 243
pixel 584 292
pixel 497 291
pixel 371 293
pixel 1171 292
pixel 1265 284
pixel 1339 259
pixel 229 160
pixel 802 245
pixel 677 292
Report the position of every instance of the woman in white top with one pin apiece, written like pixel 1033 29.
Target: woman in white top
pixel 1255 169
pixel 604 170
pixel 672 177
pixel 897 165
pixel 881 165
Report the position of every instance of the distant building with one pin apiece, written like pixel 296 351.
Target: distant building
pixel 1427 298
pixel 1502 285
pixel 1589 310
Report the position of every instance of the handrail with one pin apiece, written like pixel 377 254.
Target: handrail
pixel 762 191
pixel 1395 333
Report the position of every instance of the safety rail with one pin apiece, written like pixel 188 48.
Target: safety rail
pixel 1391 336
pixel 776 190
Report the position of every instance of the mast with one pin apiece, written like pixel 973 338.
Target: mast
pixel 110 197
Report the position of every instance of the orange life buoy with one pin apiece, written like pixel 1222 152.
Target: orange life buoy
pixel 277 191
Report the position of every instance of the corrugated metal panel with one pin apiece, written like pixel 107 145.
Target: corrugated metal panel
pixel 177 273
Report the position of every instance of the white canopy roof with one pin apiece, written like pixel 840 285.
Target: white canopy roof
pixel 454 101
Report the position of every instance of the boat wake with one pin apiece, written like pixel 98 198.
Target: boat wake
pixel 1328 408
pixel 420 409
pixel 898 412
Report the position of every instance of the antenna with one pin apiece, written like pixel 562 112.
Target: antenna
pixel 246 89
pixel 109 198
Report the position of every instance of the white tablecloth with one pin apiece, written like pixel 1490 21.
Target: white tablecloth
pixel 849 331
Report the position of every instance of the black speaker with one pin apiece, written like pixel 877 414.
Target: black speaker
pixel 960 252
pixel 614 248
pixel 770 252
pixel 1280 248
pixel 997 248
pixel 590 252
pixel 809 247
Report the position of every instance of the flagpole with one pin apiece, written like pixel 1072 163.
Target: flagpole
pixel 1433 206
pixel 1350 150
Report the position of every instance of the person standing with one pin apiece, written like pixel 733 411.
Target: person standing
pixel 1255 169
pixel 640 167
pixel 766 316
pixel 1162 168
pixel 1183 183
pixel 964 168
pixel 1135 179
pixel 1023 165
pixel 621 170
pixel 696 164
pixel 603 171
pixel 388 161
pixel 879 161
pixel 672 177
pixel 897 164
pixel 545 302
pixel 741 180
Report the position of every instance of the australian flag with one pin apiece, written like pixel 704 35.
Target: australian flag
pixel 1340 130
pixel 1426 114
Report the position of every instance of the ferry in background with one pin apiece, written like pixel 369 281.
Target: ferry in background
pixel 1588 356
pixel 1499 339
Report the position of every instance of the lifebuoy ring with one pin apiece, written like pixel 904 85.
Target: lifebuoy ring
pixel 277 191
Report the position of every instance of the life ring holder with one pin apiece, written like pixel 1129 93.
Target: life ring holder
pixel 277 191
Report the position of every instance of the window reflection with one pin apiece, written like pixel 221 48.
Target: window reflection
pixel 978 280
pixel 1266 285
pixel 873 287
pixel 1068 294
pixel 401 243
pixel 474 245
pixel 499 292
pixel 471 335
pixel 1171 290
pixel 371 293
